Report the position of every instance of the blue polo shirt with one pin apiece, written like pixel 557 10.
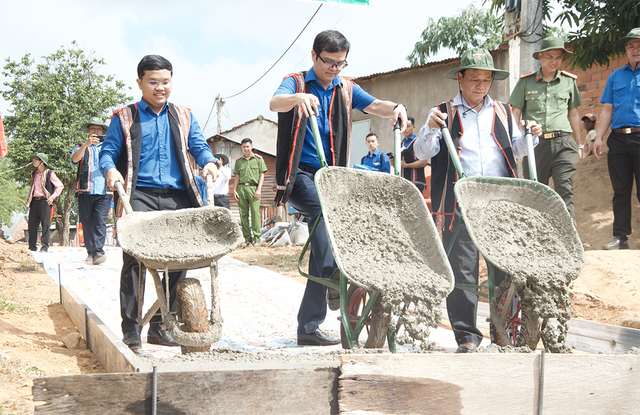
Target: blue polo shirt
pixel 361 100
pixel 97 181
pixel 159 167
pixel 406 142
pixel 623 91
pixel 379 161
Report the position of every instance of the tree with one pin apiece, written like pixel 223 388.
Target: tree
pixel 12 196
pixel 597 25
pixel 49 104
pixel 469 29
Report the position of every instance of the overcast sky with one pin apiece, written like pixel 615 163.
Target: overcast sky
pixel 218 46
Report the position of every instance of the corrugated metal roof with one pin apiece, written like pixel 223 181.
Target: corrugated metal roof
pixel 408 68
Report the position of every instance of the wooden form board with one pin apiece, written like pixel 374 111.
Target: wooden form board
pixel 264 392
pixel 482 383
pixel 114 355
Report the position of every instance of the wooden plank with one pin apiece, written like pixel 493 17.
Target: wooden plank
pixel 488 384
pixel 112 354
pixel 265 392
pixel 598 337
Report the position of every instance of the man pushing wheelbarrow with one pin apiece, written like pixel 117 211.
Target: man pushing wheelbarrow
pixel 487 140
pixel 322 92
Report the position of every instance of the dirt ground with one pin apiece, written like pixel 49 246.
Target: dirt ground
pixel 33 324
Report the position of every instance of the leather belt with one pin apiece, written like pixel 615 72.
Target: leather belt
pixel 220 195
pixel 556 134
pixel 247 184
pixel 308 169
pixel 160 191
pixel 626 130
pixel 39 198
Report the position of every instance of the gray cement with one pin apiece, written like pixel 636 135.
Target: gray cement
pixel 181 239
pixel 529 235
pixel 384 239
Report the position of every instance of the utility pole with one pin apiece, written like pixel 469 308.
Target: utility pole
pixel 523 29
pixel 220 101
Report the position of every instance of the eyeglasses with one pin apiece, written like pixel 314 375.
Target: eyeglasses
pixel 154 84
pixel 331 65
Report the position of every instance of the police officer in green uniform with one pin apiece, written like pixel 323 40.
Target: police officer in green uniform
pixel 550 97
pixel 247 187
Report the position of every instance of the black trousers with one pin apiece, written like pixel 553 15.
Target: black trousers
pixel 39 215
pixel 222 201
pixel 462 306
pixel 93 210
pixel 143 201
pixel 624 165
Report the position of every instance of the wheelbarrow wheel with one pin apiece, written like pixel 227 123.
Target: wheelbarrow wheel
pixel 192 311
pixel 513 322
pixel 376 325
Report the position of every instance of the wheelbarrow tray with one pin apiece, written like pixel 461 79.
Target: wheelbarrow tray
pixel 381 232
pixel 520 226
pixel 181 239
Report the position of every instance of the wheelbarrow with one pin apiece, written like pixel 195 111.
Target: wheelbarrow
pixel 178 241
pixel 385 245
pixel 523 228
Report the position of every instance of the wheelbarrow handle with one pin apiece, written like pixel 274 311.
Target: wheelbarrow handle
pixel 446 135
pixel 397 145
pixel 316 136
pixel 123 196
pixel 209 179
pixel 533 174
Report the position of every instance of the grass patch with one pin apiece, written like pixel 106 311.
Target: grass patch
pixel 11 307
pixel 26 266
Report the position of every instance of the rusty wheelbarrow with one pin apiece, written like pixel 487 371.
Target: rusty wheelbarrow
pixel 177 241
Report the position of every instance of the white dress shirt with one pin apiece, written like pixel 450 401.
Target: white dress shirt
pixel 221 185
pixel 480 154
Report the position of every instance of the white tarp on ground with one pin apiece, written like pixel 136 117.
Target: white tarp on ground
pixel 259 307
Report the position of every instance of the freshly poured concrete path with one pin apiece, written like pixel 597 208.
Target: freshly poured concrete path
pixel 259 307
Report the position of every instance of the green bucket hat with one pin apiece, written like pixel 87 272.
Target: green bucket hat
pixel 551 43
pixel 41 156
pixel 633 34
pixel 94 121
pixel 480 59
pixel 223 157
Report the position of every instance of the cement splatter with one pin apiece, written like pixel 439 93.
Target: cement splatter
pixel 530 237
pixel 385 240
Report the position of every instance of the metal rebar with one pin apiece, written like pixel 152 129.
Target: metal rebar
pixel 86 328
pixel 154 392
pixel 541 383
pixel 60 282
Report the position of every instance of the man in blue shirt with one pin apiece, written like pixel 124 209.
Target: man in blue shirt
pixel 147 148
pixel 412 167
pixel 375 158
pixel 322 92
pixel 93 201
pixel 621 111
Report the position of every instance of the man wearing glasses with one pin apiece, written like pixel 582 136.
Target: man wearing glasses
pixel 331 98
pixel 149 148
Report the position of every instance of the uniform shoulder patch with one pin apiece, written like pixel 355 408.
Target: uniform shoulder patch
pixel 527 74
pixel 257 155
pixel 239 158
pixel 569 74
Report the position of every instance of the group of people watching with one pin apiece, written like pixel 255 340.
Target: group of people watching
pixel 147 143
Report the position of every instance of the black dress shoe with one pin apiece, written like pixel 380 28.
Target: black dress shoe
pixel 616 243
pixel 132 340
pixel 333 295
pixel 316 339
pixel 467 348
pixel 160 337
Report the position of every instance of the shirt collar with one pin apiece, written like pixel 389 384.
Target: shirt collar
pixel 540 77
pixel 457 101
pixel 144 107
pixel 311 76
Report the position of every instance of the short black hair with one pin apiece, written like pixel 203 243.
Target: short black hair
pixel 413 122
pixel 372 134
pixel 153 63
pixel 330 41
pixel 246 140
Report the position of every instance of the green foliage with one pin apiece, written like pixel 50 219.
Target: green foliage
pixel 469 29
pixel 598 25
pixel 49 102
pixel 11 307
pixel 12 195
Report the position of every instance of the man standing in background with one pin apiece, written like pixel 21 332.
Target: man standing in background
pixel 412 167
pixel 375 158
pixel 247 188
pixel 93 202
